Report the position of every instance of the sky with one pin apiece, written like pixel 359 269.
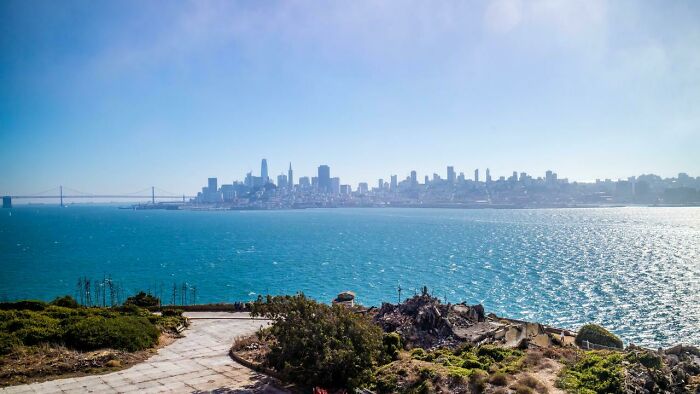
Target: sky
pixel 116 96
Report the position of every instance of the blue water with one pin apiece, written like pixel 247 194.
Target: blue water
pixel 634 270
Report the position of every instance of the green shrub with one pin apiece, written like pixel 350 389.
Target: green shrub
pixel 171 312
pixel 646 358
pixel 143 300
pixel 66 302
pixel 597 335
pixel 129 333
pixel 60 312
pixel 8 342
pixel 418 354
pixel 496 353
pixel 29 305
pixel 425 387
pixel 387 384
pixel 595 372
pixel 320 345
pixel 33 328
pixel 392 345
pixel 470 362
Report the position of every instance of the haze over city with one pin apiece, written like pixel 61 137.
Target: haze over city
pixel 115 97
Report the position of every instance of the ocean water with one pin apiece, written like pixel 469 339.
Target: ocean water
pixel 634 270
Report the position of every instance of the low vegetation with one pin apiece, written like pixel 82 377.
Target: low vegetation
pixel 597 335
pixel 461 370
pixel 39 339
pixel 314 344
pixel 594 372
pixel 31 323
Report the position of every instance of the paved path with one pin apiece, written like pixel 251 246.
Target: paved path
pixel 199 362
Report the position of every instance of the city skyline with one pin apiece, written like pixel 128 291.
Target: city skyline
pixel 449 189
pixel 479 174
pixel 107 97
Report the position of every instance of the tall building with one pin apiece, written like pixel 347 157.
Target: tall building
pixel 488 175
pixel 345 190
pixel 335 186
pixel 414 178
pixel 362 187
pixel 380 184
pixel 263 171
pixel 451 176
pixel 304 182
pixel 550 176
pixel 290 176
pixel 426 180
pixel 476 175
pixel 324 179
pixel 212 185
pixel 281 180
pixel 394 183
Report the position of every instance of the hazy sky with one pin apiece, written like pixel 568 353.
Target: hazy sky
pixel 117 96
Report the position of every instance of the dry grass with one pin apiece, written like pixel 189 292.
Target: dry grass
pixel 533 383
pixel 44 362
pixel 251 348
pixel 499 379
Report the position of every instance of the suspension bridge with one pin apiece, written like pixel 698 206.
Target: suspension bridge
pixel 57 193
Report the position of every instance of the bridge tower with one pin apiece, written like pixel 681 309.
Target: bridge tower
pixel 7 201
pixel 61 193
pixel 153 195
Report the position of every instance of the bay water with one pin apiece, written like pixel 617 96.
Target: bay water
pixel 636 270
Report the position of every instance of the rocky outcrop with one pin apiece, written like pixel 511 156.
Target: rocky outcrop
pixel 421 321
pixel 674 370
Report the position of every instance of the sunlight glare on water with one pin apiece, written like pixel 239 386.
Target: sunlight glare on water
pixel 634 270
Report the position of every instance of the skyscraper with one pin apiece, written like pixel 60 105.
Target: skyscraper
pixel 476 175
pixel 263 172
pixel 394 183
pixel 290 177
pixel 324 179
pixel 281 181
pixel 451 174
pixel 212 185
pixel 488 175
pixel 335 185
pixel 414 178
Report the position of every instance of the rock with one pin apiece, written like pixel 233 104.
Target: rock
pixel 346 296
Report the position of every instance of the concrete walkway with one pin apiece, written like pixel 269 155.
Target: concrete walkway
pixel 199 362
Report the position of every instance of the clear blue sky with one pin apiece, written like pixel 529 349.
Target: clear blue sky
pixel 117 96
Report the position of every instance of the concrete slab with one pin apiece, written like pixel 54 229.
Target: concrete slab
pixel 199 362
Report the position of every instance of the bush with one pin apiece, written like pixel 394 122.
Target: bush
pixel 66 302
pixel 499 379
pixel 392 345
pixel 320 345
pixel 595 372
pixel 171 312
pixel 597 335
pixel 143 300
pixel 129 333
pixel 28 305
pixel 646 358
pixel 8 342
pixel 33 328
